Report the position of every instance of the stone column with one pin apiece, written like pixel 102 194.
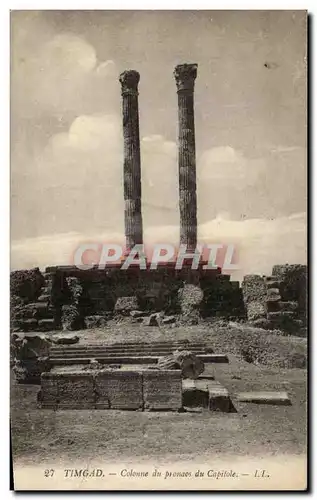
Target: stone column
pixel 185 75
pixel 132 163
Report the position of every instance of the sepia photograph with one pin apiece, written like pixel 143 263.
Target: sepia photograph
pixel 158 250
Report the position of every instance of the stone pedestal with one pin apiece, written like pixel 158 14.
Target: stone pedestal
pixel 132 163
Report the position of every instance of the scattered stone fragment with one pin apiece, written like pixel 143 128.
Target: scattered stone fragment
pixel 168 320
pixel 96 321
pixel 124 305
pixel 168 363
pixel 263 323
pixel 137 314
pixel 189 364
pixel 152 320
pixel 70 317
pixel 65 339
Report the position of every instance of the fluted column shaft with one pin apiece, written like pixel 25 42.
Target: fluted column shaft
pixel 185 75
pixel 132 161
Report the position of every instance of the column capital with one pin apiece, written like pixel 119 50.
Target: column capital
pixel 129 80
pixel 185 75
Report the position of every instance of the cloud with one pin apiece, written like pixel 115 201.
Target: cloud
pixel 260 243
pixel 285 149
pixel 251 186
pixel 75 182
pixel 61 75
pixel 226 164
pixel 67 144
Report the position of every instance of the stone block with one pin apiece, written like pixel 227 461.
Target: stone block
pixel 65 339
pixel 219 399
pixel 96 321
pixel 195 394
pixel 264 397
pixel 191 299
pixel 272 282
pixel 40 310
pixel 253 288
pixel 168 320
pixel 124 305
pixel 273 306
pixel 255 310
pixel 288 306
pixel 280 315
pixel 119 390
pixel 152 320
pixel 102 390
pixel 273 294
pixel 138 314
pixel 293 281
pixel 46 324
pixel 162 390
pixel 44 297
pixel 263 323
pixel 75 390
pixel 28 324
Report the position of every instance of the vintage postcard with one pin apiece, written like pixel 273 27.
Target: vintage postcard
pixel 158 284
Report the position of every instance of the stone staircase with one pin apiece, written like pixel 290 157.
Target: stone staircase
pixel 129 353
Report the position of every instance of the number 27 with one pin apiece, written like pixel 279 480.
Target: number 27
pixel 49 472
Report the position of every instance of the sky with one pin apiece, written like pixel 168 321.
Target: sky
pixel 250 120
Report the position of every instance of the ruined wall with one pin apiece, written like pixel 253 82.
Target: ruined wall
pixel 66 298
pixel 31 301
pixel 222 298
pixel 72 299
pixel 278 301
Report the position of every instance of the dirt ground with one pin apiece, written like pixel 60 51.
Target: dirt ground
pixel 258 430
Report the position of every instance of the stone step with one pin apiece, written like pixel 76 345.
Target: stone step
pixel 146 346
pixel 149 344
pixel 102 354
pixel 139 347
pixel 123 349
pixel 206 358
pixel 264 397
pixel 154 350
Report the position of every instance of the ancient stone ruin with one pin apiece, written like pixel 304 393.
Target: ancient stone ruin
pixel 278 301
pixel 67 298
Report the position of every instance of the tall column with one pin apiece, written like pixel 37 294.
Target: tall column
pixel 185 75
pixel 132 162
